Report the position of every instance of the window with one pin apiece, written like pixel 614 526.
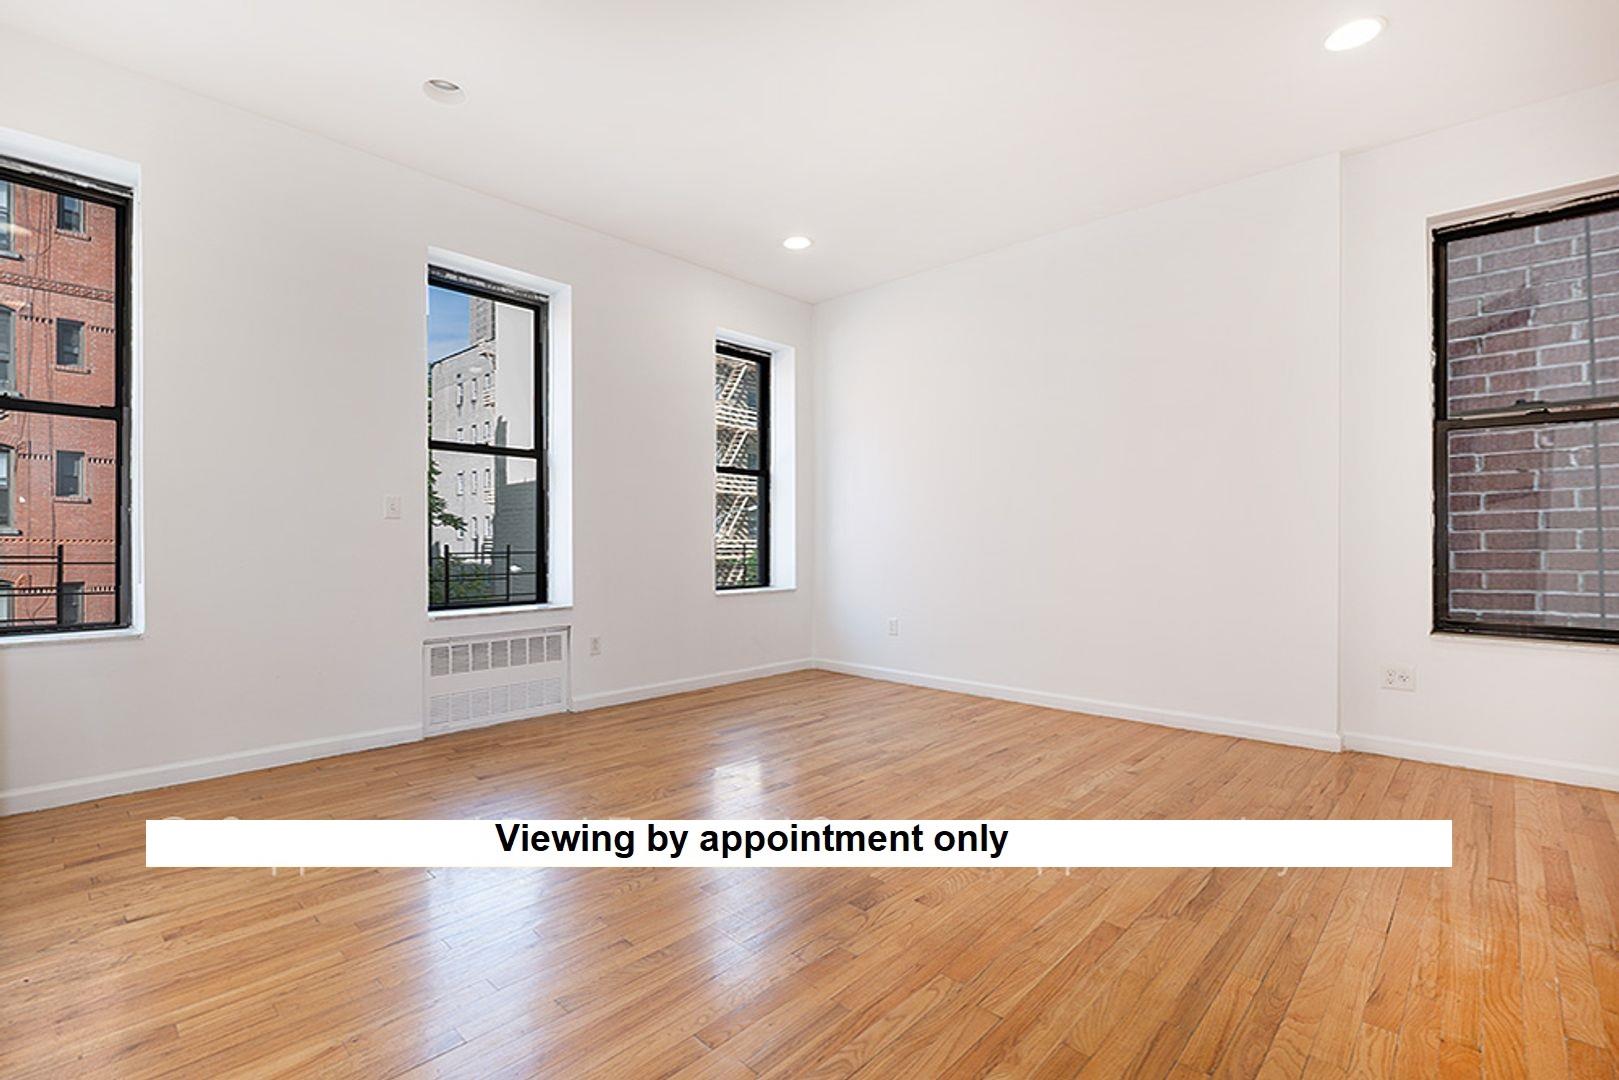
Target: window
pixel 5 488
pixel 742 467
pixel 70 213
pixel 69 474
pixel 5 605
pixel 67 561
pixel 1526 428
pixel 8 346
pixel 492 335
pixel 70 603
pixel 69 343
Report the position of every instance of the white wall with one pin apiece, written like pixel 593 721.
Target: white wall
pixel 1099 469
pixel 286 617
pixel 1544 709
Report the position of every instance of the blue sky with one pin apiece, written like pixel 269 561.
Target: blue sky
pixel 447 331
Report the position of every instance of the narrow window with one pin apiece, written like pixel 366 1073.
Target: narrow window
pixel 1526 425
pixel 68 563
pixel 70 604
pixel 8 339
pixel 69 474
pixel 493 336
pixel 5 488
pixel 70 213
pixel 5 604
pixel 742 467
pixel 69 343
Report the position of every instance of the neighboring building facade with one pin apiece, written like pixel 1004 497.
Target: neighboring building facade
pixel 58 474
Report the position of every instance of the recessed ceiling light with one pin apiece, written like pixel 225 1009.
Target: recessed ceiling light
pixel 444 91
pixel 796 243
pixel 1355 33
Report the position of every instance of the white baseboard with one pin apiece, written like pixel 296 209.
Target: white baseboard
pixel 601 700
pixel 1563 772
pixel 1214 725
pixel 64 792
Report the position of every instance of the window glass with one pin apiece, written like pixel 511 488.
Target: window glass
pixel 69 343
pixel 472 338
pixel 1529 314
pixel 483 557
pixel 741 480
pixel 70 213
pixel 1528 454
pixel 485 537
pixel 69 473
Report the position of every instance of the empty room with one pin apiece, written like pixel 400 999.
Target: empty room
pixel 809 539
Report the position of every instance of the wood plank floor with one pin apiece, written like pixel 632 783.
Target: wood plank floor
pixel 1505 965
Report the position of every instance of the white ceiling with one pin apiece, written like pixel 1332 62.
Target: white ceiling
pixel 900 134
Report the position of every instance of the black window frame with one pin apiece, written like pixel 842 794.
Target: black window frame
pixel 761 475
pixel 120 200
pixel 1524 413
pixel 539 304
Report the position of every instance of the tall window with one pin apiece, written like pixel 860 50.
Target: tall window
pixel 491 335
pixel 8 348
pixel 741 467
pixel 5 489
pixel 64 481
pixel 1526 431
pixel 69 343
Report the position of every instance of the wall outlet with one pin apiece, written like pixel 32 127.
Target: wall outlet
pixel 595 646
pixel 1399 677
pixel 390 507
pixel 893 628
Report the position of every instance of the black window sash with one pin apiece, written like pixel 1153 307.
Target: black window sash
pixel 1544 414
pixel 761 475
pixel 120 200
pixel 539 305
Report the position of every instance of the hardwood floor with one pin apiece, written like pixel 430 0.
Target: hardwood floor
pixel 1507 964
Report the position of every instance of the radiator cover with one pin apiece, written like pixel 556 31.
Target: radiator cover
pixel 481 679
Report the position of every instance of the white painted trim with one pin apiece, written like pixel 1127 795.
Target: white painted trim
pixel 601 700
pixel 63 792
pixel 1563 772
pixel 1215 725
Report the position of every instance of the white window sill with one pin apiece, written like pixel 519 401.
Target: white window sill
pixel 757 589
pixel 513 609
pixel 71 635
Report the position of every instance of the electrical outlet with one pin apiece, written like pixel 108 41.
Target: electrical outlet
pixel 893 628
pixel 390 507
pixel 595 646
pixel 1399 677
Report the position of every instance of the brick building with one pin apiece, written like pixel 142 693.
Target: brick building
pixel 1533 316
pixel 58 343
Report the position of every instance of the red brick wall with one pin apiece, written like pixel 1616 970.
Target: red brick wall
pixel 1533 315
